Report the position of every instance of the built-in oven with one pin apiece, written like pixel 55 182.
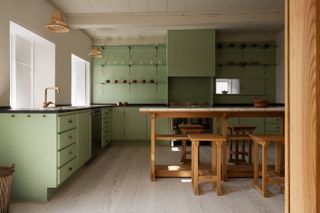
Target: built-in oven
pixel 96 132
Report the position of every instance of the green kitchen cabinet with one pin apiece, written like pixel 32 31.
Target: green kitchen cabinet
pixel 118 124
pixel 191 53
pixel 106 127
pixel 30 141
pixel 46 149
pixel 84 137
pixel 257 122
pixel 135 124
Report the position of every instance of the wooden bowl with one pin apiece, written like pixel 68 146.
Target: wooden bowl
pixel 260 102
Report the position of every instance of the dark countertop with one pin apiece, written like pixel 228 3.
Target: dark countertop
pixel 68 108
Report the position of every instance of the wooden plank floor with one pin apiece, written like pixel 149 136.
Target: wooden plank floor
pixel 118 181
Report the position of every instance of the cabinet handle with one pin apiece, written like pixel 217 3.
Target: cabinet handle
pixel 70 136
pixel 70 168
pixel 70 121
pixel 278 127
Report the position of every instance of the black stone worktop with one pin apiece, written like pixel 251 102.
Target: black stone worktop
pixel 61 109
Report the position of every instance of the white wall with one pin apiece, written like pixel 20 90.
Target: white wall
pixel 34 15
pixel 280 68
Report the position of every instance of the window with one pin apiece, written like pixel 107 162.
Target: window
pixel 80 90
pixel 32 66
pixel 227 86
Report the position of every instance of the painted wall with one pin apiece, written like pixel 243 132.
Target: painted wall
pixel 34 15
pixel 280 68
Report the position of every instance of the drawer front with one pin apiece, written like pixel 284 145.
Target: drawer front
pixel 273 120
pixel 67 170
pixel 67 154
pixel 105 141
pixel 273 128
pixel 67 138
pixel 105 122
pixel 67 122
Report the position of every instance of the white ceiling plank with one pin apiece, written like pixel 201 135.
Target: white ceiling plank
pixel 158 6
pixel 224 5
pixel 139 6
pixel 101 6
pixel 195 5
pixel 173 19
pixel 81 7
pixel 120 6
pixel 176 5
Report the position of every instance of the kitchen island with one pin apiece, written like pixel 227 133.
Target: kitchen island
pixel 222 114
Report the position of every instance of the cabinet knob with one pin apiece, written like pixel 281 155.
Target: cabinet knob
pixel 70 136
pixel 70 152
pixel 70 168
pixel 70 121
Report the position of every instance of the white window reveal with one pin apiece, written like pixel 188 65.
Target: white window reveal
pixel 227 86
pixel 80 84
pixel 32 66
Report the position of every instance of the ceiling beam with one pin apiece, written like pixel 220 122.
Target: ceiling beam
pixel 87 21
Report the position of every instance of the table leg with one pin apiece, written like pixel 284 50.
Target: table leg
pixel 153 146
pixel 218 125
pixel 224 148
pixel 278 158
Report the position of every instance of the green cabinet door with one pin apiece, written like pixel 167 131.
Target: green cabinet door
pixel 84 137
pixel 30 141
pixel 135 124
pixel 257 122
pixel 191 53
pixel 118 124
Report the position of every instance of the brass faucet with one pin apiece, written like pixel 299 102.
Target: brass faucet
pixel 46 103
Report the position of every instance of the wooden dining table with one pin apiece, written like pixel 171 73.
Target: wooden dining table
pixel 221 114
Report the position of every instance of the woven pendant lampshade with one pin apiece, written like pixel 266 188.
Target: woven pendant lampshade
pixel 57 24
pixel 95 53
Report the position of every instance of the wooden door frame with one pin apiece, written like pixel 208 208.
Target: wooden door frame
pixel 302 100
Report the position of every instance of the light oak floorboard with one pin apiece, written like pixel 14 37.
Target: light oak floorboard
pixel 119 181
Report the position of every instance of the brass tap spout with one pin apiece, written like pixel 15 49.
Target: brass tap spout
pixel 46 103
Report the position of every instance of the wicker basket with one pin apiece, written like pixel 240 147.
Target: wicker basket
pixel 5 187
pixel 260 102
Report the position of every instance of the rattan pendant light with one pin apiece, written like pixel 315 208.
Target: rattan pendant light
pixel 57 24
pixel 95 52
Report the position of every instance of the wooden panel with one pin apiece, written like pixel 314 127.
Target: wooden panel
pixel 303 100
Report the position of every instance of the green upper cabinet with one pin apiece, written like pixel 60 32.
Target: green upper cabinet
pixel 191 53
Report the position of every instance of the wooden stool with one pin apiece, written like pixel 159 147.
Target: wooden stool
pixel 215 175
pixel 185 130
pixel 241 135
pixel 264 141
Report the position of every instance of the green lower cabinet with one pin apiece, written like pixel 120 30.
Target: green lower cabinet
pixel 273 126
pixel 128 123
pixel 30 141
pixel 135 127
pixel 117 121
pixel 106 127
pixel 46 149
pixel 257 122
pixel 84 137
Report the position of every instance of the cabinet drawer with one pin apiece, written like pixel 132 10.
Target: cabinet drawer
pixel 67 170
pixel 273 120
pixel 273 128
pixel 67 154
pixel 67 138
pixel 67 122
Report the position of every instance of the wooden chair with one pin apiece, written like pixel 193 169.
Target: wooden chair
pixel 267 177
pixel 214 175
pixel 185 130
pixel 241 135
